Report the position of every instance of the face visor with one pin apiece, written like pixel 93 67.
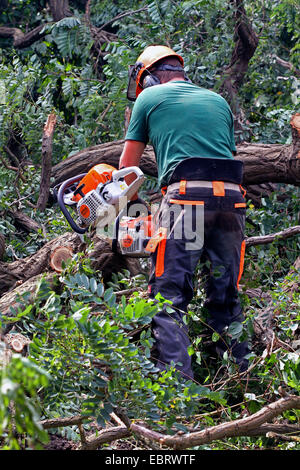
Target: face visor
pixel 136 72
pixel 133 72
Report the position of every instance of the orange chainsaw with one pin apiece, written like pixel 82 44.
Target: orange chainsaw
pixel 101 194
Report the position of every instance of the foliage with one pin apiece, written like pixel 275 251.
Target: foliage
pixel 91 354
pixel 20 382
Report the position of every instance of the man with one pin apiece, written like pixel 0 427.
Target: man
pixel 191 130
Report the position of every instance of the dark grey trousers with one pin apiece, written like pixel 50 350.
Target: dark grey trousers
pixel 212 226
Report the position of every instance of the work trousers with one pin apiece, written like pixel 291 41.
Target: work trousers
pixel 197 223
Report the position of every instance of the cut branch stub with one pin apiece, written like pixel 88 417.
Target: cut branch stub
pixel 46 161
pixel 60 255
pixel 295 125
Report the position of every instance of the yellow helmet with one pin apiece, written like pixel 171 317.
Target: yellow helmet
pixel 145 61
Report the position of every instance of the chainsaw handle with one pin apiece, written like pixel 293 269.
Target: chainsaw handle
pixel 133 187
pixel 118 174
pixel 60 200
pixel 114 246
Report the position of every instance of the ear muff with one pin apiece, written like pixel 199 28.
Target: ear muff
pixel 150 80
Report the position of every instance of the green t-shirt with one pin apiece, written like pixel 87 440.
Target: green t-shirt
pixel 182 120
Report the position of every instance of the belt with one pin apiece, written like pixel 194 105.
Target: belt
pixel 204 184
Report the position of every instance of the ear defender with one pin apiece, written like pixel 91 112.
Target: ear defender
pixel 150 80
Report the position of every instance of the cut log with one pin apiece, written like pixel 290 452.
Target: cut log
pixel 14 299
pixel 16 341
pixel 103 259
pixel 60 255
pixel 263 163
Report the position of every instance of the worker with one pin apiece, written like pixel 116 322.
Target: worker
pixel 192 134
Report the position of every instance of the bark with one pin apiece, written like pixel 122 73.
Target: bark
pixel 263 163
pixel 20 39
pixel 46 162
pixel 59 9
pixel 105 436
pixel 2 246
pixel 14 298
pixel 110 152
pixel 23 222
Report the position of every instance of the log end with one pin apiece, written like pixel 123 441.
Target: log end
pixel 295 122
pixel 59 256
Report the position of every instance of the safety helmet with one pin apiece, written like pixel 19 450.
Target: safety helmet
pixel 150 56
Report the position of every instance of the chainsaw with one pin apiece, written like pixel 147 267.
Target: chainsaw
pixel 101 193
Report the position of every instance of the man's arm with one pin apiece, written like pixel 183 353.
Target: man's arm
pixel 131 156
pixel 132 153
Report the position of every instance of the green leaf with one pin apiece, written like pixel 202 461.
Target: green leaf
pixel 93 285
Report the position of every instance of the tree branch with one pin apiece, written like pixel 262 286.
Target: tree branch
pixel 122 15
pixel 246 42
pixel 287 65
pixel 264 239
pixel 63 422
pixel 104 436
pixel 240 427
pixel 20 39
pixel 121 431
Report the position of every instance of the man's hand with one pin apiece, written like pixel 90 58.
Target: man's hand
pixel 131 156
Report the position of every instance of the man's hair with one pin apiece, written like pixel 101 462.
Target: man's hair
pixel 166 75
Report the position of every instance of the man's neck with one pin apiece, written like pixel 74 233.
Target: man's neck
pixel 176 79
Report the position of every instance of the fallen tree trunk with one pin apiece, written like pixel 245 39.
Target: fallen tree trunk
pixel 110 152
pixel 263 163
pixel 103 259
pixel 13 300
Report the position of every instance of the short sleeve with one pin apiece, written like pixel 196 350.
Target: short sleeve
pixel 137 129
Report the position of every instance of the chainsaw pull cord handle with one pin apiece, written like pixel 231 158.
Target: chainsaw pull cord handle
pixel 60 200
pixel 114 245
